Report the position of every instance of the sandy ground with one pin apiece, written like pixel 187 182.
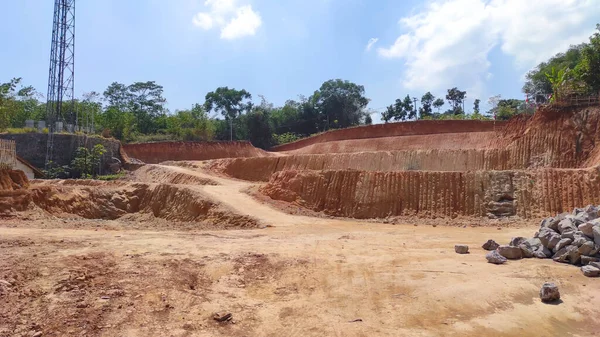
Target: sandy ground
pixel 302 277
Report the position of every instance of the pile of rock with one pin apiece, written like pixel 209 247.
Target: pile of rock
pixel 568 238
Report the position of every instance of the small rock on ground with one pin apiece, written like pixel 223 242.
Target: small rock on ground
pixel 590 271
pixel 549 293
pixel 495 257
pixel 490 245
pixel 510 252
pixel 461 249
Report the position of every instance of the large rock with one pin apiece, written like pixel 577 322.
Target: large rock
pixel 568 234
pixel 550 223
pixel 587 248
pixel 526 251
pixel 596 231
pixel 569 254
pixel 585 260
pixel 461 249
pixel 595 264
pixel 549 293
pixel 510 252
pixel 561 244
pixel 576 220
pixel 592 212
pixel 590 271
pixel 495 257
pixel 566 225
pixel 515 242
pixel 490 245
pixel 552 240
pixel 587 229
pixel 542 253
pixel 579 239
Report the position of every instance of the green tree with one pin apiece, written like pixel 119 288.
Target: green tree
pixel 476 106
pixel 230 103
pixel 87 163
pixel 341 103
pixel 394 111
pixel 368 120
pixel 426 105
pixel 191 124
pixel 588 69
pixel 438 104
pixel 536 81
pixel 455 98
pixel 409 109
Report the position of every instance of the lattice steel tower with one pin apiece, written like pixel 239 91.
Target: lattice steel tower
pixel 60 106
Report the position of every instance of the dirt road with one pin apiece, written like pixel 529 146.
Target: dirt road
pixel 303 277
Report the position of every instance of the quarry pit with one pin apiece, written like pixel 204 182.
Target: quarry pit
pixel 346 233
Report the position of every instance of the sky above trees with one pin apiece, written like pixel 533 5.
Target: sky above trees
pixel 281 49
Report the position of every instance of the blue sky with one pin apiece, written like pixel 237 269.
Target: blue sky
pixel 282 49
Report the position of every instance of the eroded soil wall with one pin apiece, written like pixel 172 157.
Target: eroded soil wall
pixel 392 130
pixel 363 194
pixel 154 153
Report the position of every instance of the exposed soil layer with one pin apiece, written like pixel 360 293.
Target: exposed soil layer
pixel 154 153
pixel 393 130
pixel 113 200
pixel 161 175
pixel 363 194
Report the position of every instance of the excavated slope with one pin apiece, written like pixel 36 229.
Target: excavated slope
pixel 112 200
pixel 14 195
pixel 154 153
pixel 363 194
pixel 394 130
pixel 261 169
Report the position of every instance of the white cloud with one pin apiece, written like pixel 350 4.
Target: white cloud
pixel 235 21
pixel 245 23
pixel 448 43
pixel 371 43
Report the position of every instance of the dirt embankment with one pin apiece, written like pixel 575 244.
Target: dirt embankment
pixel 393 130
pixel 362 194
pixel 14 195
pixel 114 200
pixel 154 153
pixel 261 169
pixel 159 175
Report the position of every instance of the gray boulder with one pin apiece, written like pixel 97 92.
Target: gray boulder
pixel 592 212
pixel 576 220
pixel 585 260
pixel 562 244
pixel 553 241
pixel 542 253
pixel 587 229
pixel 568 234
pixel 596 231
pixel 587 248
pixel 595 264
pixel 490 245
pixel 515 242
pixel 526 251
pixel 566 225
pixel 580 239
pixel 461 249
pixel 495 257
pixel 590 271
pixel 510 252
pixel 550 223
pixel 549 293
pixel 533 243
pixel 567 254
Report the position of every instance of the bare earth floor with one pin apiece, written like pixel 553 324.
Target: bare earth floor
pixel 302 277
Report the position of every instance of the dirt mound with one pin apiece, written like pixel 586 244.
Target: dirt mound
pixel 113 200
pixel 362 194
pixel 14 195
pixel 393 130
pixel 154 153
pixel 160 175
